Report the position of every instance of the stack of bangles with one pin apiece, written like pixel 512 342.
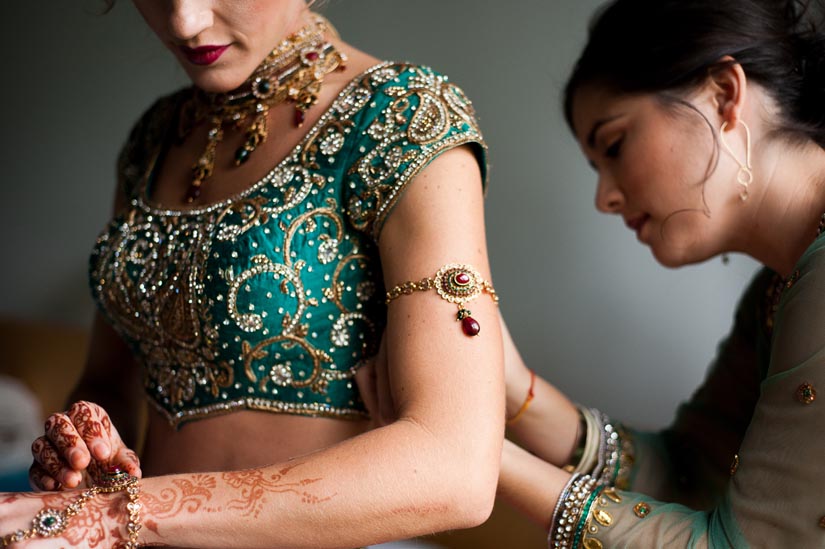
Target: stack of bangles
pixel 50 522
pixel 601 463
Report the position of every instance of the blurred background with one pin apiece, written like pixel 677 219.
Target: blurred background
pixel 588 306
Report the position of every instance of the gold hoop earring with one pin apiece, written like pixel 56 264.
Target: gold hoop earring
pixel 744 177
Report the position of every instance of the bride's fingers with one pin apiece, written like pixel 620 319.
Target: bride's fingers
pixel 127 460
pixel 95 428
pixel 49 459
pixel 41 480
pixel 66 440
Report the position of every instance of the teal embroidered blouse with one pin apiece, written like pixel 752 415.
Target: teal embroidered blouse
pixel 270 300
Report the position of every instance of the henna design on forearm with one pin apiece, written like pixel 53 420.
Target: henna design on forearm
pixel 245 492
pixel 255 485
pixel 184 495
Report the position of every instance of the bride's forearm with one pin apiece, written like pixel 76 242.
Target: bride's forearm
pixel 419 485
pixel 530 484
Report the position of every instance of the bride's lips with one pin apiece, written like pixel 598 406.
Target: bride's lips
pixel 203 55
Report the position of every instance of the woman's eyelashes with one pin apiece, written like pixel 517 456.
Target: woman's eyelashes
pixel 613 150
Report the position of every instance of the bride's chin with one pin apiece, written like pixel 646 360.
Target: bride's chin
pixel 215 82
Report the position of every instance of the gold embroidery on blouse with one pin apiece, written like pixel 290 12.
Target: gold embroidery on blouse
pixel 293 331
pixel 153 267
pixel 441 105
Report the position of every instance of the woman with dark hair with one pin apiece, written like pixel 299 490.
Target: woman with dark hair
pixel 269 222
pixel 705 123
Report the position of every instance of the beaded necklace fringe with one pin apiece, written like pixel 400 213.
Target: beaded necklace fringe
pixel 294 71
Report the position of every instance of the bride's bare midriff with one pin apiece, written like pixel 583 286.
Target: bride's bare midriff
pixel 239 440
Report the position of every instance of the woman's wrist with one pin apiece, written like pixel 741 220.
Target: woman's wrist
pixel 519 384
pixel 106 514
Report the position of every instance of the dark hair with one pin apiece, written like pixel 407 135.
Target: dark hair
pixel 659 46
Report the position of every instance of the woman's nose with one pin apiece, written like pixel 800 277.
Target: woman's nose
pixel 609 198
pixel 188 18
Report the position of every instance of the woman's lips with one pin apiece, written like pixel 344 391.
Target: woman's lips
pixel 204 55
pixel 636 223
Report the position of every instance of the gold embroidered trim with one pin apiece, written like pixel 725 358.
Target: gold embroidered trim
pixel 311 409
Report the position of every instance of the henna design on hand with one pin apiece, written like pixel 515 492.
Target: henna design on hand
pixel 45 455
pixel 60 431
pixel 89 528
pixel 132 456
pixel 90 420
pixel 40 480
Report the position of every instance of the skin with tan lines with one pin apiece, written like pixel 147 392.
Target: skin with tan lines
pixel 250 479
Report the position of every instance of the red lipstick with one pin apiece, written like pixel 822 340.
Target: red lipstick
pixel 204 55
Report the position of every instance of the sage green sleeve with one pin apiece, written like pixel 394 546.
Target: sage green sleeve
pixel 689 462
pixel 771 494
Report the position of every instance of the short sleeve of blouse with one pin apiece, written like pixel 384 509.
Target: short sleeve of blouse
pixel 144 142
pixel 415 114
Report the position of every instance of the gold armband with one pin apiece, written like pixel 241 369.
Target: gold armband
pixel 455 283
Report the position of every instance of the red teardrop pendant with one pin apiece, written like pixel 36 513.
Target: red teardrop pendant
pixel 470 326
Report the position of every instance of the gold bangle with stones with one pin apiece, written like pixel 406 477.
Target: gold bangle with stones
pixel 457 283
pixel 50 522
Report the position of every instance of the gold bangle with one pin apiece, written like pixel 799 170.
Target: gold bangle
pixel 457 283
pixel 115 480
pixel 50 522
pixel 527 400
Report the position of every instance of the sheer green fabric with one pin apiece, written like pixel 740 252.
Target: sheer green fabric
pixel 742 464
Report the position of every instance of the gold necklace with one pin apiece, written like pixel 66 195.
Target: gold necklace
pixel 779 284
pixel 294 71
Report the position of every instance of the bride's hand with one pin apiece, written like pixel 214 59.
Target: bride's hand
pixel 76 443
pixel 100 523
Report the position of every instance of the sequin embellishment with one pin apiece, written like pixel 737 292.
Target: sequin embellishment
pixel 269 300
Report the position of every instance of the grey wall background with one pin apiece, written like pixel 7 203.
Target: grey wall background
pixel 588 306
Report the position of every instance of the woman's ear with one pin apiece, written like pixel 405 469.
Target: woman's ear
pixel 729 88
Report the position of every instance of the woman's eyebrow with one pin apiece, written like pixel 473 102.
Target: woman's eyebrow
pixel 591 136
